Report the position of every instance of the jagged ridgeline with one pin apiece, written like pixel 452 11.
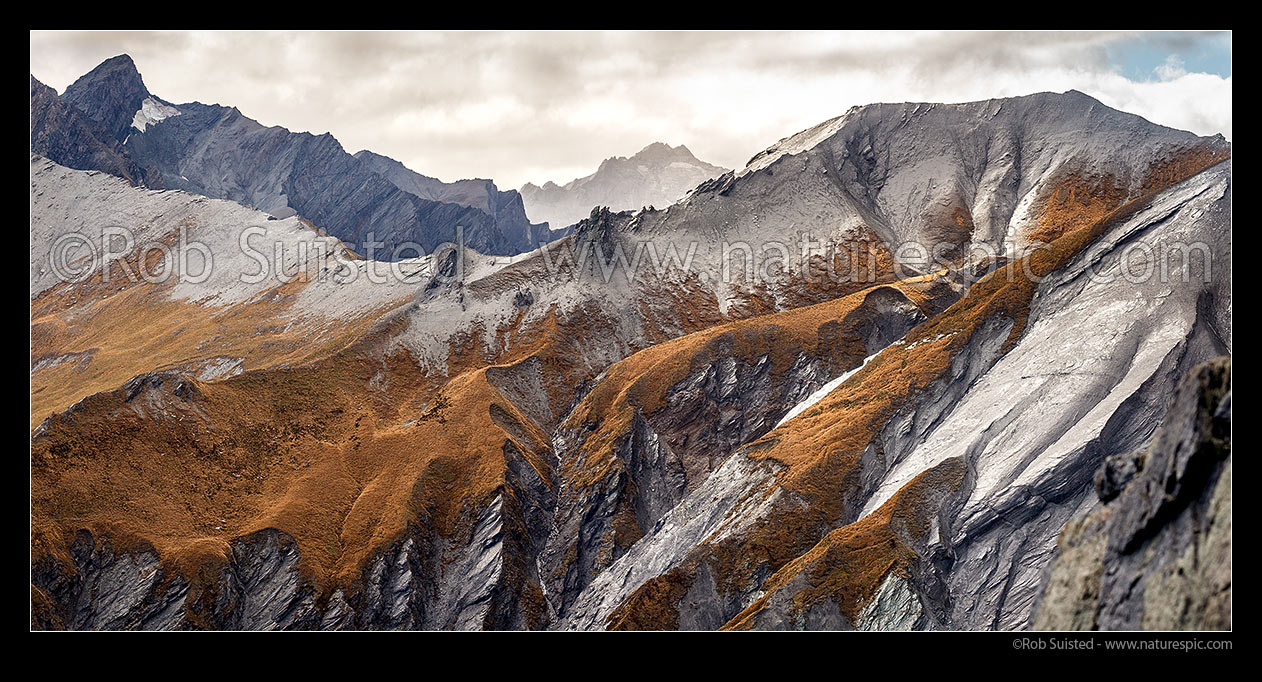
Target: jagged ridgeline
pixel 539 445
pixel 108 120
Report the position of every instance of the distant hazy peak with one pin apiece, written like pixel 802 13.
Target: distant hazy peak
pixel 657 175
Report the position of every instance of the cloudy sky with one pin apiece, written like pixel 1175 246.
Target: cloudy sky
pixel 538 106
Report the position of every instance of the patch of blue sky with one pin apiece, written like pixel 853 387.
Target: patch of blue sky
pixel 1158 55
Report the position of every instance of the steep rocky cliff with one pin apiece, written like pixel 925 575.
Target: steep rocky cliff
pixel 480 193
pixel 1156 553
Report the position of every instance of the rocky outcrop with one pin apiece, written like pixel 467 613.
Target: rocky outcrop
pixel 105 587
pixel 421 583
pixel 1156 553
pixel 658 175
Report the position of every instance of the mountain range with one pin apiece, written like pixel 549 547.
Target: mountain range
pixel 218 152
pixel 1014 432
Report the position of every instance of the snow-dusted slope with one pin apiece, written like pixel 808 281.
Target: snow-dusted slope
pixel 87 206
pixel 1089 379
pixel 295 293
pixel 946 175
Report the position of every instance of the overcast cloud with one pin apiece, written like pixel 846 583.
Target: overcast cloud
pixel 534 106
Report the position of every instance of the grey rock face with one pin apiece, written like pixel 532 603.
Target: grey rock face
pixel 658 175
pixel 482 194
pixel 266 588
pixel 422 582
pixel 1157 553
pixel 109 590
pixel 896 606
pixel 724 503
pixel 259 588
pixel 60 131
pixel 110 94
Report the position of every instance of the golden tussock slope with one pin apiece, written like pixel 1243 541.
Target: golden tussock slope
pixel 92 336
pixel 317 452
pixel 1073 200
pixel 641 382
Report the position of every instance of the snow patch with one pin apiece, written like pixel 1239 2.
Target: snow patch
pixel 819 395
pixel 152 111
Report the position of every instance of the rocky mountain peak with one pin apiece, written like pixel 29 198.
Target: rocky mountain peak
pixel 118 67
pixel 110 94
pixel 655 155
pixel 108 120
